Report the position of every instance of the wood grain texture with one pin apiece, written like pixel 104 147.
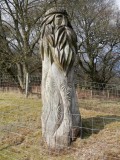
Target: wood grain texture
pixel 60 113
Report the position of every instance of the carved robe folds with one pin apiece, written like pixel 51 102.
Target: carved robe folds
pixel 60 112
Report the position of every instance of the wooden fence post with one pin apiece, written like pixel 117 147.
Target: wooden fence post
pixel 26 85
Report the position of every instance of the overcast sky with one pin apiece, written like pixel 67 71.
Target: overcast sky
pixel 118 3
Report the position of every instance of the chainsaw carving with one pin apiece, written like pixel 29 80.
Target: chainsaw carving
pixel 58 49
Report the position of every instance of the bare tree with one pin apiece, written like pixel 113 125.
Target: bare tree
pixel 96 24
pixel 20 27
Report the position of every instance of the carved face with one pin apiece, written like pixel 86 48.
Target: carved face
pixel 58 40
pixel 60 19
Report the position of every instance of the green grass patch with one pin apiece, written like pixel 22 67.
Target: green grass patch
pixel 21 137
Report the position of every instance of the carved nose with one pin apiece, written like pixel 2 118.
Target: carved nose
pixel 64 21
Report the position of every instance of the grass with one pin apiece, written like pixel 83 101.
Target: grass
pixel 20 130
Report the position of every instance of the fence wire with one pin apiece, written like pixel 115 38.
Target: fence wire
pixel 20 124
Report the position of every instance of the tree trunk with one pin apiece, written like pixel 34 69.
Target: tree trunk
pixel 58 47
pixel 60 115
pixel 21 75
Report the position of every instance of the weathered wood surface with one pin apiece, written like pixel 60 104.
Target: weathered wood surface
pixel 60 112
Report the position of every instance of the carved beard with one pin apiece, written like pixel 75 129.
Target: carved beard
pixel 65 47
pixel 60 44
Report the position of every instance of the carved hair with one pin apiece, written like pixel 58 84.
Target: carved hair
pixel 58 42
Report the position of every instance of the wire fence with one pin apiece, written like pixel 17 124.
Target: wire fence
pixel 84 89
pixel 20 123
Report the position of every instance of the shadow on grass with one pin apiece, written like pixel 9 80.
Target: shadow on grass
pixel 94 125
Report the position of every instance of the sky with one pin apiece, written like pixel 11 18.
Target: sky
pixel 118 3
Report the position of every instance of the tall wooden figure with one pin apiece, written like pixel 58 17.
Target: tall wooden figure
pixel 58 48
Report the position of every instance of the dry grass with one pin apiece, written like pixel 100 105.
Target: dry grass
pixel 20 131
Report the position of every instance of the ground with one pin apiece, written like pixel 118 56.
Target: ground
pixel 20 130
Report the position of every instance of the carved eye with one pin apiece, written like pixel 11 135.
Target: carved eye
pixel 58 19
pixel 59 16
